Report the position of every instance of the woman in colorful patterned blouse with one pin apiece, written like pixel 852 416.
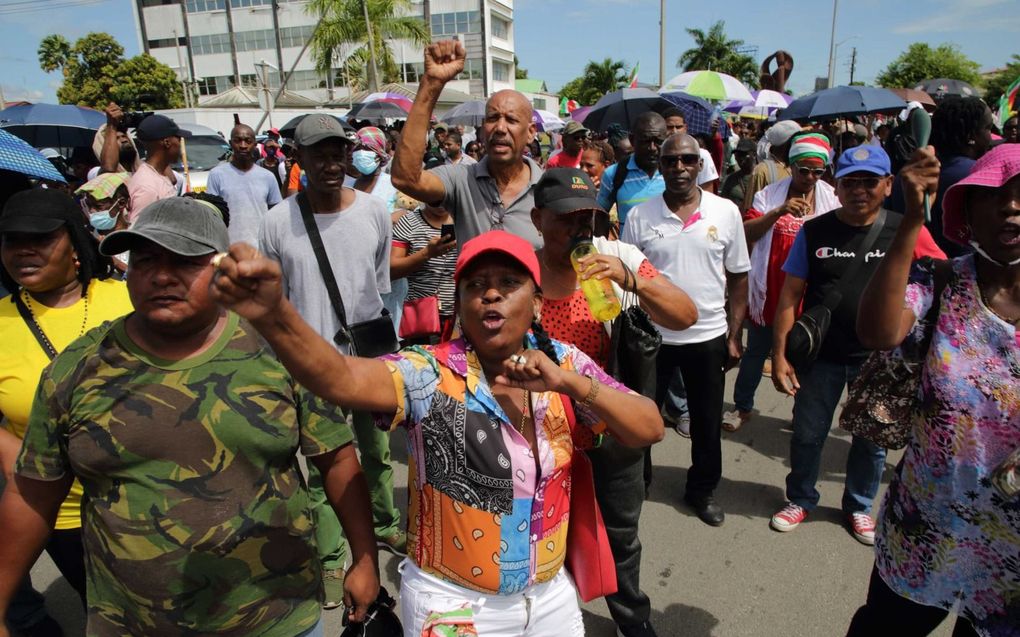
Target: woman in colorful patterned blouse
pixel 489 436
pixel 948 539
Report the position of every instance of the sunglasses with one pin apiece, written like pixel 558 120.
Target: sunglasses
pixel 805 171
pixel 687 159
pixel 869 183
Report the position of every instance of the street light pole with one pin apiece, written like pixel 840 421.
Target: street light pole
pixel 662 42
pixel 832 45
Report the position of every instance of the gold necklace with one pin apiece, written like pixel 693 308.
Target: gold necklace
pixel 524 412
pixel 984 299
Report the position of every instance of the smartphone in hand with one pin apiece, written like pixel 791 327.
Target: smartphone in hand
pixel 447 232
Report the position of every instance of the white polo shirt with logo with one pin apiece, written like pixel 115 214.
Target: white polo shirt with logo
pixel 695 256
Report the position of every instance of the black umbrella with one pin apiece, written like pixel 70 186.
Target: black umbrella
pixel 377 111
pixel 944 87
pixel 287 130
pixel 842 101
pixel 622 107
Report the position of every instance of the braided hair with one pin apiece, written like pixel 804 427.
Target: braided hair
pixel 955 124
pixel 545 344
pixel 605 151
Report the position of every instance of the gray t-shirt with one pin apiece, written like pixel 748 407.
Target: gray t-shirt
pixel 473 199
pixel 357 241
pixel 249 194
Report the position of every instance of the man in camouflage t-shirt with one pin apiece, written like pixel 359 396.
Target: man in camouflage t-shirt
pixel 184 429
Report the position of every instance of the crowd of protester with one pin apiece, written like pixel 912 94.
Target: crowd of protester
pixel 171 355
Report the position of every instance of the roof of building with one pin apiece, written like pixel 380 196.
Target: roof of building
pixel 531 86
pixel 241 96
pixel 448 96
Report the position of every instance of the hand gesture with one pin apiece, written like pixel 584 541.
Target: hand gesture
pixel 246 282
pixel 361 588
pixel 440 245
pixel 920 177
pixel 532 370
pixel 734 351
pixel 797 206
pixel 114 115
pixel 603 266
pixel 783 376
pixel 444 60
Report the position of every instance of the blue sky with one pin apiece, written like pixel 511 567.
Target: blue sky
pixel 555 38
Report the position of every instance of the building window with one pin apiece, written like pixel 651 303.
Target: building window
pixel 459 22
pixel 241 4
pixel 214 85
pixel 198 6
pixel 167 42
pixel 156 3
pixel 209 44
pixel 500 71
pixel 413 71
pixel 500 27
pixel 295 36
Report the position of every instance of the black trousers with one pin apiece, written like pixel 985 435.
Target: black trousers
pixel 701 366
pixel 889 613
pixel 66 550
pixel 620 491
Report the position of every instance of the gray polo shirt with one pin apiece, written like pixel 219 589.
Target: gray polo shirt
pixel 473 199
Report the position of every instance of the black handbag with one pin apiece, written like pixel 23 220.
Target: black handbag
pixel 368 339
pixel 805 338
pixel 634 344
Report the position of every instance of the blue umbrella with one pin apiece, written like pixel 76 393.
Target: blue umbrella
pixel 842 101
pixel 58 125
pixel 17 156
pixel 698 113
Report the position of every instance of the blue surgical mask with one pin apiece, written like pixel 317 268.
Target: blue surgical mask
pixel 102 220
pixel 366 162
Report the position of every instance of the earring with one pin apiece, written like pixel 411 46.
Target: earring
pixel 538 317
pixel 77 263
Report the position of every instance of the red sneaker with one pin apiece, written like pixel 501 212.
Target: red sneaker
pixel 862 527
pixel 788 518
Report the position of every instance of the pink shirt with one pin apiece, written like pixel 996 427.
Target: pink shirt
pixel 146 186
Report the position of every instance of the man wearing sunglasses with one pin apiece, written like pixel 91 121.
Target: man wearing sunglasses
pixel 697 240
pixel 574 136
pixel 771 224
pixel 823 251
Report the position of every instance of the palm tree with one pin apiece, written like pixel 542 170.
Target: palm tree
pixel 54 51
pixel 602 77
pixel 714 51
pixel 343 34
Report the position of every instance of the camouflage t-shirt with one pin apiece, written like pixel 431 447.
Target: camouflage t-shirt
pixel 197 520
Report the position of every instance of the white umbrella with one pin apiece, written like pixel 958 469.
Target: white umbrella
pixel 709 85
pixel 547 121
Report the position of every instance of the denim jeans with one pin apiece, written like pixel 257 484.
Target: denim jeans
pixel 821 385
pixel 759 344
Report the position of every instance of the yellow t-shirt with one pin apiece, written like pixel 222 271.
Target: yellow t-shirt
pixel 22 358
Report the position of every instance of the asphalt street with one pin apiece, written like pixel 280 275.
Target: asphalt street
pixel 741 579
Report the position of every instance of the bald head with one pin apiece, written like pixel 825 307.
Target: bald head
pixel 242 146
pixel 647 135
pixel 679 144
pixel 651 118
pixel 507 129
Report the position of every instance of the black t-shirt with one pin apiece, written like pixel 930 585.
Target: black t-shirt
pixel 831 247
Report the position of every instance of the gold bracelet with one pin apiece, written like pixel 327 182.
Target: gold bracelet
pixel 592 393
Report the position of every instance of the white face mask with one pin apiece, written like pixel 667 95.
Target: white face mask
pixel 977 248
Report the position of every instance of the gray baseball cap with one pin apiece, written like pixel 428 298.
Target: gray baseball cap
pixel 316 127
pixel 184 226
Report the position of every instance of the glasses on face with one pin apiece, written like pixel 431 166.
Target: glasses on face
pixel 813 172
pixel 687 159
pixel 868 183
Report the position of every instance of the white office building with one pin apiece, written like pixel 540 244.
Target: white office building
pixel 215 45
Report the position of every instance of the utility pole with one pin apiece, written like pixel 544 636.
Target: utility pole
pixel 832 45
pixel 662 42
pixel 373 81
pixel 181 69
pixel 853 64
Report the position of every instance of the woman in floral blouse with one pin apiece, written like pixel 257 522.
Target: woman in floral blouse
pixel 489 437
pixel 948 540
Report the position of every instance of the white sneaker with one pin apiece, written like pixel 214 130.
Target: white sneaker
pixel 734 420
pixel 681 425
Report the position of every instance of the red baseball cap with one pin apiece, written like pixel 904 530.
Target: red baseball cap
pixel 503 242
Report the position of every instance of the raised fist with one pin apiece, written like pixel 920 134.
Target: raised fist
pixel 444 60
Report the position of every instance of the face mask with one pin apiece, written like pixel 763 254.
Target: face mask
pixel 102 221
pixel 977 248
pixel 366 162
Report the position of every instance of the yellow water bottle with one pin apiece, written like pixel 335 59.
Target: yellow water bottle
pixel 599 293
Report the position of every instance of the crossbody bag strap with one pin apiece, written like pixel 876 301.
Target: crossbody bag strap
pixel 307 216
pixel 833 298
pixel 619 177
pixel 34 327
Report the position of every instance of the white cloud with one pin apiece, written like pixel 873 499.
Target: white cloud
pixel 21 94
pixel 970 15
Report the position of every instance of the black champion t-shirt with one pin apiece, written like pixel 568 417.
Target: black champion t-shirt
pixel 827 247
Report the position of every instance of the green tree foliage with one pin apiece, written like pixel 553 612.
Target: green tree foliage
pixel 519 73
pixel 921 62
pixel 95 72
pixel 714 51
pixel 998 83
pixel 342 37
pixel 598 79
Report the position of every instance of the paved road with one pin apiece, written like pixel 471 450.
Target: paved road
pixel 742 579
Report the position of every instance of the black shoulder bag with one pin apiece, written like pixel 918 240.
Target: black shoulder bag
pixel 805 338
pixel 368 339
pixel 634 345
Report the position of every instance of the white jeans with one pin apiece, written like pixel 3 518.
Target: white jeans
pixel 543 610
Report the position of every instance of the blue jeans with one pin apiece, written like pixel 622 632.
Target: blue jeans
pixel 674 405
pixel 821 385
pixel 759 344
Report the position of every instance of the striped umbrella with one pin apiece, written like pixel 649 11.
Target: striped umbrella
pixel 393 98
pixel 708 84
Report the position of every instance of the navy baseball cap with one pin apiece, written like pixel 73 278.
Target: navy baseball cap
pixel 156 127
pixel 566 190
pixel 865 158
